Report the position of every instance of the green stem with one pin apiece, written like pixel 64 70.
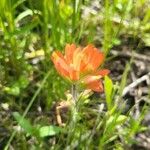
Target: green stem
pixel 74 93
pixel 73 121
pixel 74 108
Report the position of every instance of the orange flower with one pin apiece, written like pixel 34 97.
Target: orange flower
pixel 93 81
pixel 81 65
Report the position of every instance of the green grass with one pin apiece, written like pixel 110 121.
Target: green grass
pixel 28 26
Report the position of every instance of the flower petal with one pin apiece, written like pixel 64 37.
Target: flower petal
pixel 77 58
pixel 92 57
pixel 93 83
pixel 95 86
pixel 60 63
pixel 97 58
pixel 74 75
pixel 69 52
pixel 90 78
pixel 102 72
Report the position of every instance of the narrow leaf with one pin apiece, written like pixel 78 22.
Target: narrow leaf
pixel 24 123
pixel 108 85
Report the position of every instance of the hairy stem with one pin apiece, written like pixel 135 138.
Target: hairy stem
pixel 74 93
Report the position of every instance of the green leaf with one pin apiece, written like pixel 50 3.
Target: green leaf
pixel 14 90
pixel 23 81
pixel 124 78
pixel 116 41
pixel 49 130
pixel 116 120
pixel 121 119
pixel 65 11
pixel 146 39
pixel 23 15
pixel 111 139
pixel 108 86
pixel 25 124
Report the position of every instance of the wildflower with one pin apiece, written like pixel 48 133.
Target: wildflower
pixel 81 65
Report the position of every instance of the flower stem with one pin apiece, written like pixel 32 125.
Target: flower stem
pixel 74 93
pixel 74 108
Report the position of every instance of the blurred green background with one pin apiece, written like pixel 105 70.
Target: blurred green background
pixel 30 30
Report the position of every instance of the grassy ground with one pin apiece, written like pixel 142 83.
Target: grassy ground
pixel 30 87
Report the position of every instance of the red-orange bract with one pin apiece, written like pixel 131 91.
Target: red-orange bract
pixel 81 65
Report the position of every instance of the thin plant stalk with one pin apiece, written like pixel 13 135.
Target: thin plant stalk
pixel 74 92
pixel 74 113
pixel 74 108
